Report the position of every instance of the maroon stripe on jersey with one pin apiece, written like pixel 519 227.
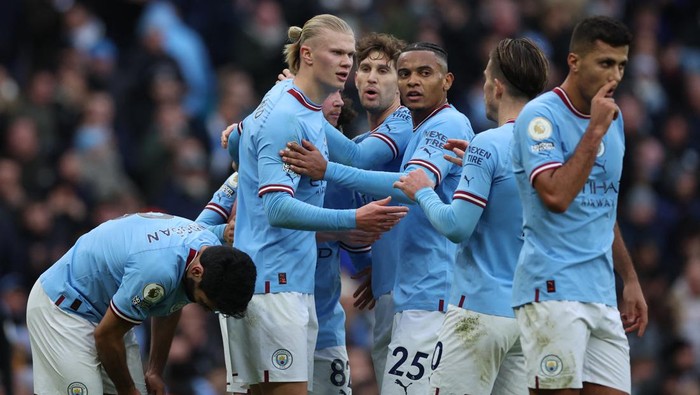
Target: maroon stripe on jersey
pixel 537 295
pixel 389 141
pixel 437 391
pixel 266 376
pixel 267 287
pixel 543 167
pixel 565 98
pixel 424 163
pixel 275 188
pixel 441 305
pixel 302 99
pixel 218 209
pixel 470 197
pixel 121 315
pixel 432 114
pixel 537 382
pixel 461 301
pixel 60 300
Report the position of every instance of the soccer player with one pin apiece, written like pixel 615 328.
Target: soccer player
pixel 425 257
pixel 381 148
pixel 81 311
pixel 478 351
pixel 272 349
pixel 567 157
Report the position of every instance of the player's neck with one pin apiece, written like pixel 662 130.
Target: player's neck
pixel 312 89
pixel 376 119
pixel 570 87
pixel 508 109
pixel 420 115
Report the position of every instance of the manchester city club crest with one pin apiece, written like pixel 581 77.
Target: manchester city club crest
pixel 551 365
pixel 282 359
pixel 77 388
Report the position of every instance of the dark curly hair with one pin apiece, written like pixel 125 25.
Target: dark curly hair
pixel 228 279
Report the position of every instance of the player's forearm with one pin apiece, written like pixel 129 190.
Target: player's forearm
pixel 112 354
pixel 456 221
pixel 559 187
pixel 376 183
pixel 162 333
pixel 284 211
pixel 621 259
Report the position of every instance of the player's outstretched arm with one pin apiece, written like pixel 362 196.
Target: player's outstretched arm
pixel 377 216
pixel 109 342
pixel 162 333
pixel 634 311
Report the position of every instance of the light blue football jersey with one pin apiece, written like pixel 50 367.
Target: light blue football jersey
pixel 565 256
pixel 134 264
pixel 483 280
pixel 216 213
pixel 385 146
pixel 426 258
pixel 285 258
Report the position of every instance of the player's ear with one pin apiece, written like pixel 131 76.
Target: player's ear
pixel 573 61
pixel 197 270
pixel 305 55
pixel 500 88
pixel 447 83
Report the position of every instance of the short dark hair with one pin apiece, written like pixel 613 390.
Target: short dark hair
pixel 603 28
pixel 426 46
pixel 228 279
pixel 522 66
pixel 380 42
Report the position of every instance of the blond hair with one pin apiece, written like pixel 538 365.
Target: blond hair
pixel 312 28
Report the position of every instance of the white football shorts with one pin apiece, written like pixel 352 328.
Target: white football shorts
pixel 478 354
pixel 274 342
pixel 64 356
pixel 408 361
pixel 567 343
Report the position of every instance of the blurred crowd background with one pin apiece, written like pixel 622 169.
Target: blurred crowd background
pixel 111 107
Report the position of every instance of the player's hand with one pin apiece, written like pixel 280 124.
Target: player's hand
pixel 363 294
pixel 228 230
pixel 635 314
pixel 377 216
pixel 286 74
pixel 603 108
pixel 357 237
pixel 457 146
pixel 154 384
pixel 304 159
pixel 227 132
pixel 413 182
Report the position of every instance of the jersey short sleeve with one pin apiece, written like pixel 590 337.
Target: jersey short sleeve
pixel 537 141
